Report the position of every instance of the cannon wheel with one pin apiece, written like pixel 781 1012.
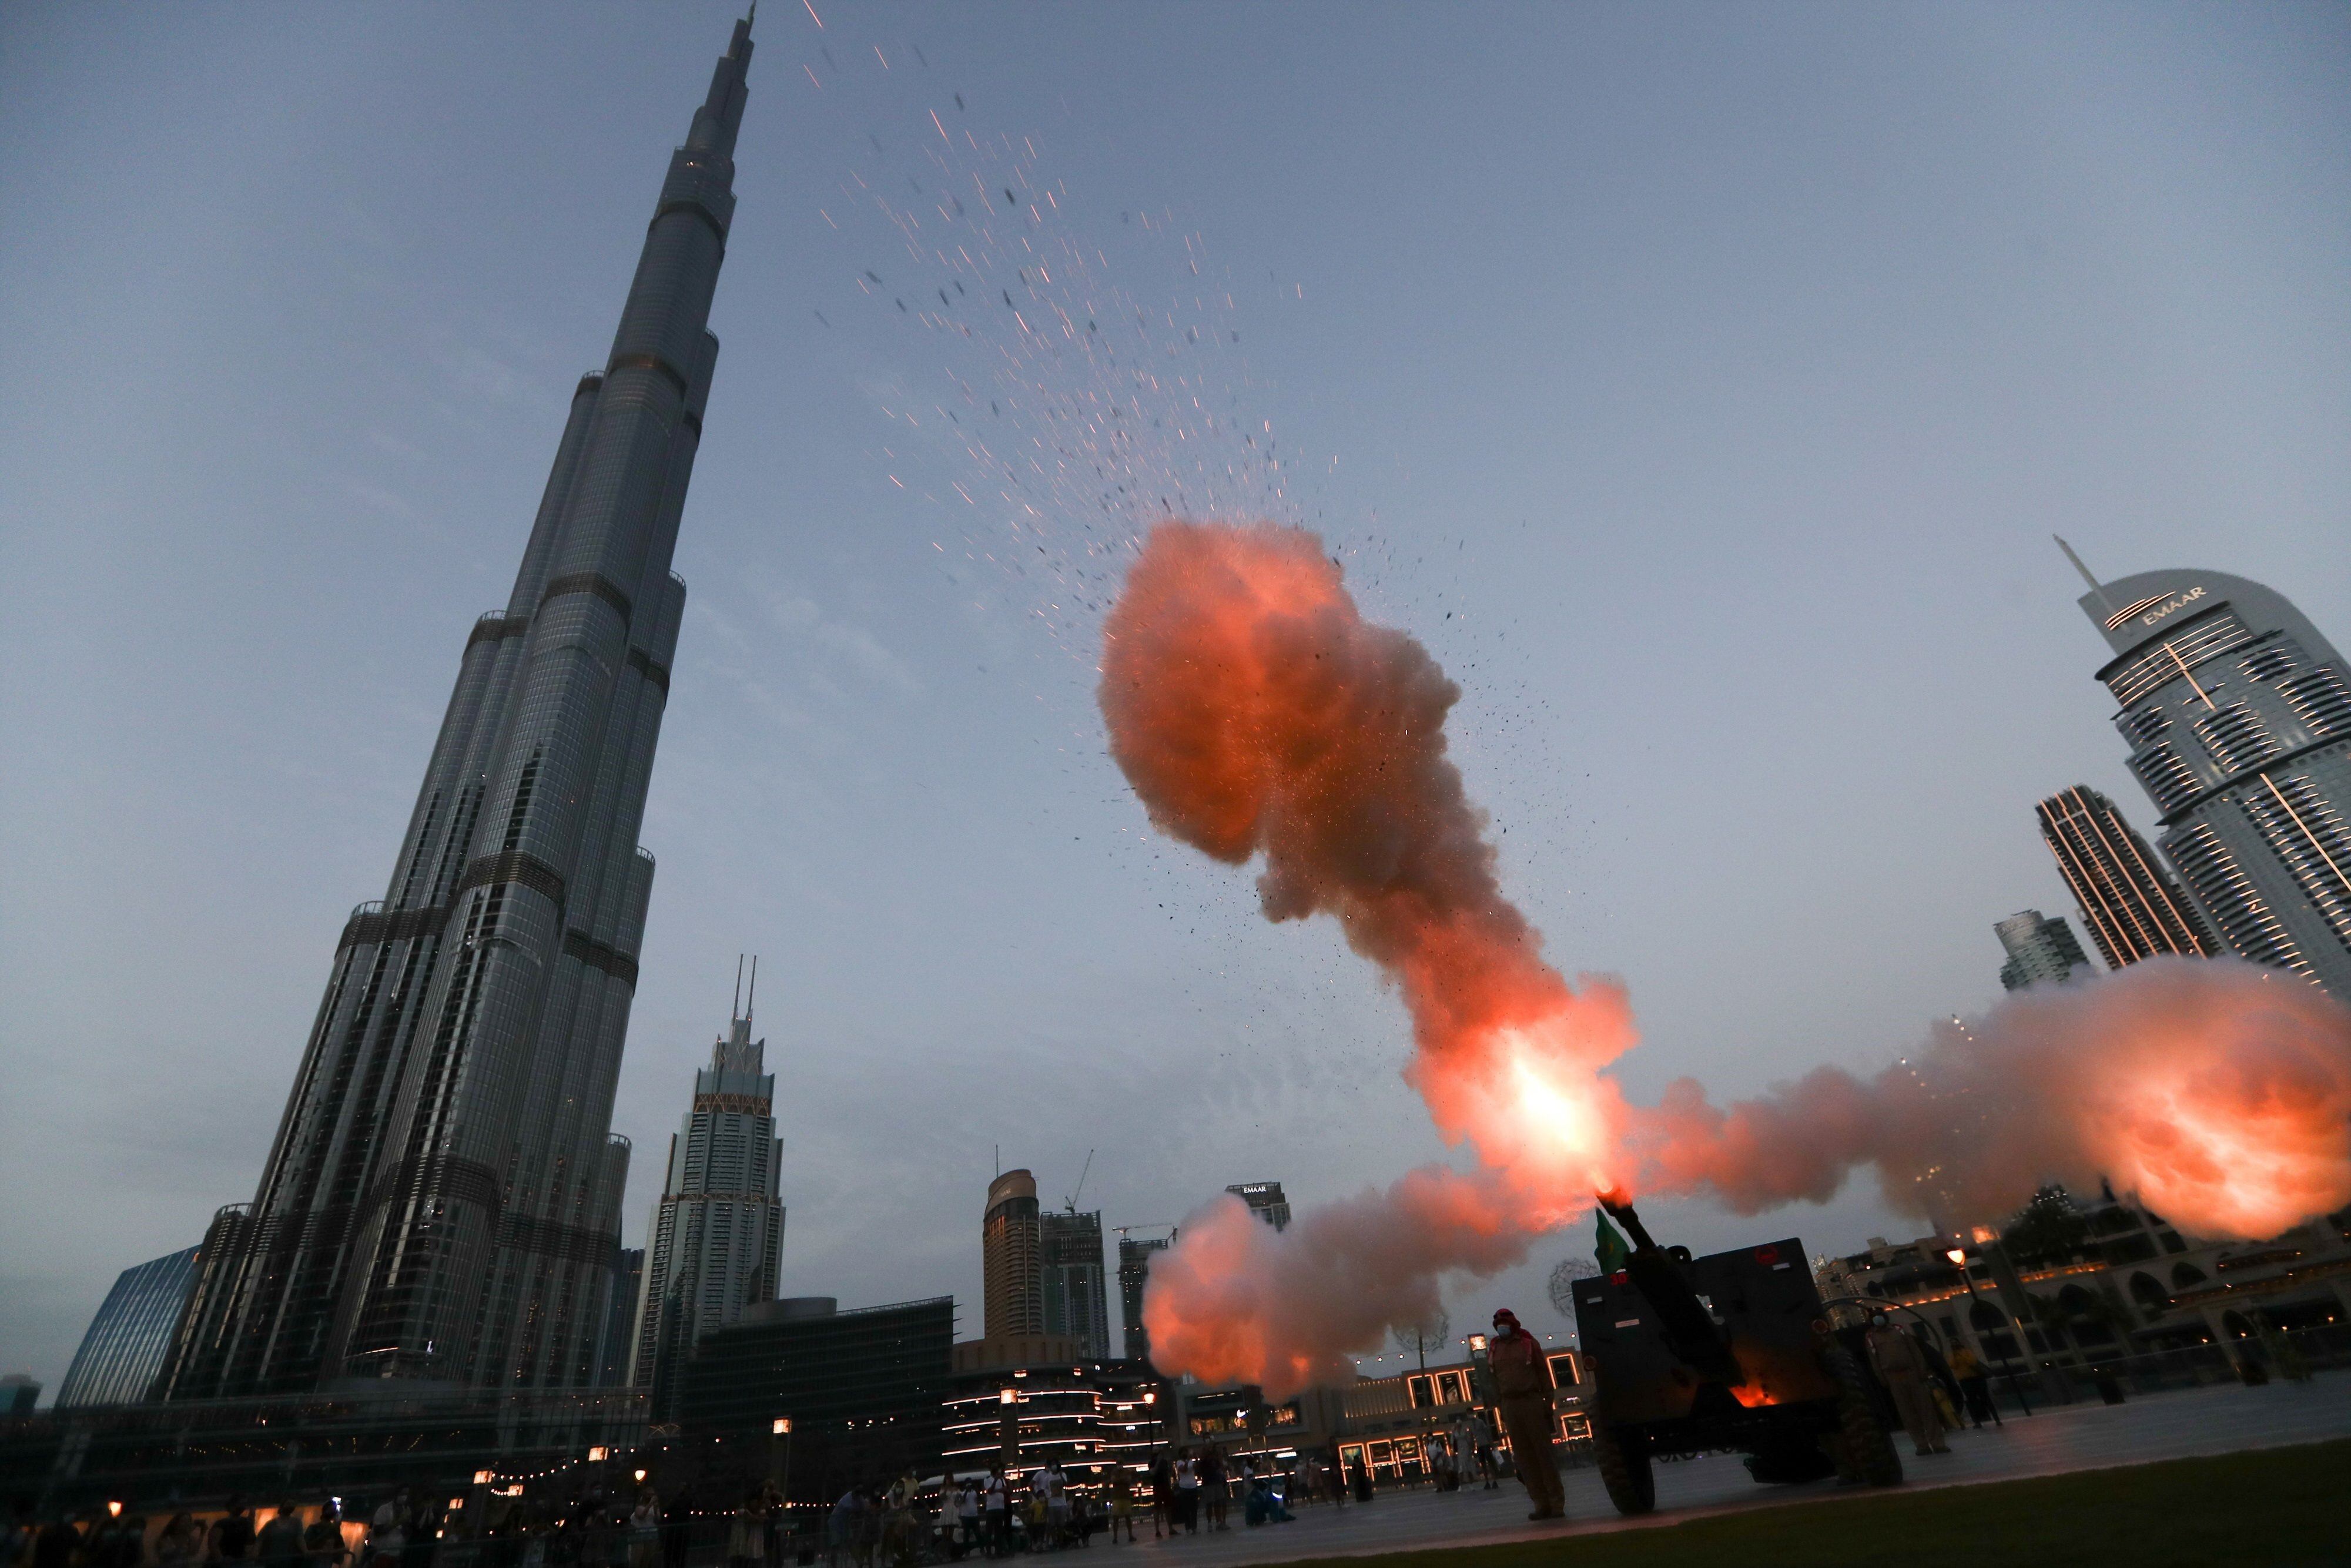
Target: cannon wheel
pixel 1869 1451
pixel 1622 1454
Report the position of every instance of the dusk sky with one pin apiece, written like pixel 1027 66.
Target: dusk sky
pixel 1701 384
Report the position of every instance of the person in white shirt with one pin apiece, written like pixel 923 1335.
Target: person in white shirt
pixel 1056 1490
pixel 1187 1492
pixel 998 1505
pixel 967 1508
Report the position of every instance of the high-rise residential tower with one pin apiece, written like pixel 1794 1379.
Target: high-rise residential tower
pixel 1076 1289
pixel 440 1199
pixel 129 1338
pixel 2039 948
pixel 1010 1248
pixel 1133 1273
pixel 2238 717
pixel 716 1235
pixel 2133 908
pixel 1265 1201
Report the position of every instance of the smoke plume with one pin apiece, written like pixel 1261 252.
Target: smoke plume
pixel 1257 714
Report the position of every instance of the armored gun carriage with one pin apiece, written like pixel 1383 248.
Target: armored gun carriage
pixel 1731 1351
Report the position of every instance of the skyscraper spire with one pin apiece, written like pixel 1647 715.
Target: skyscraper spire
pixel 443 1197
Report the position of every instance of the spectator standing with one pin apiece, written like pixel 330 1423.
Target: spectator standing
pixel 997 1503
pixel 1187 1493
pixel 387 1531
pixel 746 1533
pixel 1163 1495
pixel 56 1544
pixel 645 1530
pixel 279 1543
pixel 1122 1503
pixel 323 1544
pixel 840 1528
pixel 179 1545
pixel 1215 1487
pixel 1975 1388
pixel 966 1517
pixel 230 1539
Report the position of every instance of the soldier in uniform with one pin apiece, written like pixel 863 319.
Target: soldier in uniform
pixel 1901 1364
pixel 1522 1378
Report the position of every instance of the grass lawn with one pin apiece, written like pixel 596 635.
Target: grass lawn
pixel 2279 1508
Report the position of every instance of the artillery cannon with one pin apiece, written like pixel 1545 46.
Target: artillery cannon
pixel 1730 1351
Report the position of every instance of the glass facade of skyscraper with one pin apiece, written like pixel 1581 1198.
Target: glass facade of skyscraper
pixel 1076 1289
pixel 2134 906
pixel 128 1339
pixel 442 1196
pixel 2238 717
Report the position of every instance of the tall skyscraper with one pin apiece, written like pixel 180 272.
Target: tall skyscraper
pixel 1075 1283
pixel 1133 1273
pixel 440 1198
pixel 2039 948
pixel 129 1338
pixel 2238 718
pixel 1265 1200
pixel 716 1235
pixel 2133 908
pixel 1010 1248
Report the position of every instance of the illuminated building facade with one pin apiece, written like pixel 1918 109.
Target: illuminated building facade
pixel 2039 949
pixel 716 1235
pixel 132 1334
pixel 441 1199
pixel 1011 1243
pixel 2133 908
pixel 1017 1400
pixel 2238 717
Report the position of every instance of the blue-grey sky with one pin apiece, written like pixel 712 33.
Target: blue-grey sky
pixel 1701 384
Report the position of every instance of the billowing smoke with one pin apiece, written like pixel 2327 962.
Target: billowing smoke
pixel 1257 714
pixel 2220 1093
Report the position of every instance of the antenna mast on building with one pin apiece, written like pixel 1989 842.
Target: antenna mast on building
pixel 2104 604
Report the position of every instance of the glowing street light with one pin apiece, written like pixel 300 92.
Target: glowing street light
pixel 782 1427
pixel 596 1455
pixel 484 1478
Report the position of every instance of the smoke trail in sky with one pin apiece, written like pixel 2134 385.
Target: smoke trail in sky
pixel 1258 715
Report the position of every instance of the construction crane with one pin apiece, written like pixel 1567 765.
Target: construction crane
pixel 1070 1204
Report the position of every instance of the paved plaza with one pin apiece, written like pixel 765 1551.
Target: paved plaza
pixel 2217 1420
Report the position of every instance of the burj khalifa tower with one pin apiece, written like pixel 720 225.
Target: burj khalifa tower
pixel 442 1199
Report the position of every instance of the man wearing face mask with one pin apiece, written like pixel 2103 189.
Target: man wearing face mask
pixel 1522 1378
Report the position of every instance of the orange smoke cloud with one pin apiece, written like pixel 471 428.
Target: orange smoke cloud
pixel 1234 1301
pixel 1255 713
pixel 2220 1093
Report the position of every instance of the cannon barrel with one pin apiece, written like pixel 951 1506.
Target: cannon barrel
pixel 1689 1330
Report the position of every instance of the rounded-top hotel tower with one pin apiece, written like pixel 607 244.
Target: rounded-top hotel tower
pixel 2238 715
pixel 442 1199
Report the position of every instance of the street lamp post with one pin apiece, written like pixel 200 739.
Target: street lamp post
pixel 1958 1256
